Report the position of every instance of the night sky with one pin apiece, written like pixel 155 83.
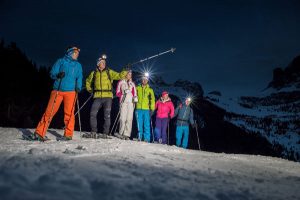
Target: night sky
pixel 226 45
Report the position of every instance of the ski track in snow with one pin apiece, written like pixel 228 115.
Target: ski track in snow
pixel 118 169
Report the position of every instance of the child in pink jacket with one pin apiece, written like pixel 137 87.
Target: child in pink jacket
pixel 165 111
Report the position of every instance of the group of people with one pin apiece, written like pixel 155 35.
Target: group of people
pixel 67 75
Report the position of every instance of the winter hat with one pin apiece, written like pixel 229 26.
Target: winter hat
pixel 70 50
pixel 164 93
pixel 146 78
pixel 102 57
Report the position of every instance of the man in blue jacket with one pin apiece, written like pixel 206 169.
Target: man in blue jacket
pixel 67 76
pixel 185 117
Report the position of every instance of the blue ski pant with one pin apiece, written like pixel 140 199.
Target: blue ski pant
pixel 143 123
pixel 182 131
pixel 161 125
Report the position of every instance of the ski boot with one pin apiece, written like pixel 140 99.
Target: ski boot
pixel 119 136
pixel 126 137
pixel 89 135
pixel 103 136
pixel 35 137
pixel 64 138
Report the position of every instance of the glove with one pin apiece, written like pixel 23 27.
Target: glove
pixel 135 99
pixel 194 125
pixel 77 90
pixel 127 91
pixel 60 75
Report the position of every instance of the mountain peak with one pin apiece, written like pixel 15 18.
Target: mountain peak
pixel 288 76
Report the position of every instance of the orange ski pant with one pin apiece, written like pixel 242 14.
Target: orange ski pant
pixel 69 100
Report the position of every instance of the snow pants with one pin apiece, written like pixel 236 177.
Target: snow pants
pixel 182 131
pixel 126 116
pixel 161 125
pixel 97 105
pixel 69 99
pixel 143 123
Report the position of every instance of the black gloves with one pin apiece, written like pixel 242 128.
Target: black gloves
pixel 194 125
pixel 77 90
pixel 60 75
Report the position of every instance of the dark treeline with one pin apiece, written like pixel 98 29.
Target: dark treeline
pixel 24 88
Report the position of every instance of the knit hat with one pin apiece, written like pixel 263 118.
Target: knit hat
pixel 164 93
pixel 70 50
pixel 102 57
pixel 146 78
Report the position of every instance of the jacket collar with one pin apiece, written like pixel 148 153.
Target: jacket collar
pixel 164 101
pixel 69 58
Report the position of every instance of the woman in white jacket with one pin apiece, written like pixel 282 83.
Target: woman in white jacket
pixel 126 91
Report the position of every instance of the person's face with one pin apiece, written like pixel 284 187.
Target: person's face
pixel 129 76
pixel 187 102
pixel 144 81
pixel 165 96
pixel 75 54
pixel 102 64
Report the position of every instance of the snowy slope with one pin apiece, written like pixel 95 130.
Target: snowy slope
pixel 117 169
pixel 274 114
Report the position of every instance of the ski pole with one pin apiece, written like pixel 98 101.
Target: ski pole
pixel 152 129
pixel 118 124
pixel 73 108
pixel 79 120
pixel 137 123
pixel 168 131
pixel 83 104
pixel 121 103
pixel 114 123
pixel 197 134
pixel 151 57
pixel 52 108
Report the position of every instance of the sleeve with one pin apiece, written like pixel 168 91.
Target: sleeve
pixel 133 90
pixel 152 100
pixel 79 78
pixel 55 69
pixel 119 91
pixel 117 76
pixel 171 110
pixel 192 117
pixel 176 111
pixel 156 105
pixel 88 82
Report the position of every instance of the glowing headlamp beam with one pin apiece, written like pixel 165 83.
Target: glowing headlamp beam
pixel 104 56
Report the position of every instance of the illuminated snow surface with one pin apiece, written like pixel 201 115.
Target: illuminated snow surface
pixel 119 169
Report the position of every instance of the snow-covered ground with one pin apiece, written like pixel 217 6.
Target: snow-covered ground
pixel 118 169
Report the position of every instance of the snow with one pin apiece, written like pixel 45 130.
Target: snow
pixel 269 120
pixel 119 169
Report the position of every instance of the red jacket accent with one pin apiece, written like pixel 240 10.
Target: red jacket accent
pixel 120 92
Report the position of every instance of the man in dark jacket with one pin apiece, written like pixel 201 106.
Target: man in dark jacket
pixel 185 117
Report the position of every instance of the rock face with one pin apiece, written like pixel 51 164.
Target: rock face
pixel 288 76
pixel 272 113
